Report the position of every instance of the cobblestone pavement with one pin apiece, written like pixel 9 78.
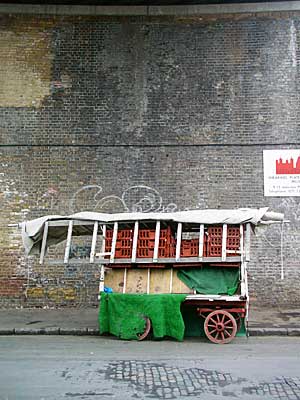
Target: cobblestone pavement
pixel 92 368
pixel 166 382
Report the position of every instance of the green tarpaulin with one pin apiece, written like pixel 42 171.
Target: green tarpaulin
pixel 211 280
pixel 123 314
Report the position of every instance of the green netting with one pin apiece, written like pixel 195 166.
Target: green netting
pixel 211 280
pixel 123 314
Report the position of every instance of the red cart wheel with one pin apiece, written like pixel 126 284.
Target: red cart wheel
pixel 220 327
pixel 147 329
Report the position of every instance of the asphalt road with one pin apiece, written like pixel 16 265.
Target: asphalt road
pixel 92 368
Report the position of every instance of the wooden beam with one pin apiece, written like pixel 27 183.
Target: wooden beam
pixel 94 242
pixel 68 244
pixel 135 240
pixel 67 221
pixel 243 264
pixel 201 242
pixel 44 243
pixel 183 260
pixel 247 242
pixel 125 280
pixel 156 241
pixel 103 238
pixel 178 241
pixel 224 242
pixel 148 281
pixel 114 242
pixel 242 242
pixel 171 280
pixel 103 253
pixel 101 279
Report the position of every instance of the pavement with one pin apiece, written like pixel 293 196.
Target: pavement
pixel 41 367
pixel 84 321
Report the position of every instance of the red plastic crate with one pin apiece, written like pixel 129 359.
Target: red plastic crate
pixel 123 253
pixel 145 252
pixel 146 240
pixel 166 233
pixel 146 234
pixel 167 251
pixel 233 238
pixel 123 243
pixel 125 234
pixel 145 248
pixel 189 248
pixel 214 241
pixel 109 234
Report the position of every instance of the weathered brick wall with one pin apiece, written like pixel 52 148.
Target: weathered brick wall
pixel 152 113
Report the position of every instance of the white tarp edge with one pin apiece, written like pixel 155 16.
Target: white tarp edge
pixel 32 231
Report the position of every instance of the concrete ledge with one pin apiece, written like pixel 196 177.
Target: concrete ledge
pixel 225 8
pixel 275 331
pixel 256 332
pixel 74 331
pixel 51 9
pixel 293 331
pixel 177 10
pixel 95 332
pixel 29 331
pixel 268 331
pixel 92 331
pixel 7 332
pixel 52 331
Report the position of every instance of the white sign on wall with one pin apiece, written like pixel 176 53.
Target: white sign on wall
pixel 282 172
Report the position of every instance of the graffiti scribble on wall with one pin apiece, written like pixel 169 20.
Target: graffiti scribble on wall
pixel 138 198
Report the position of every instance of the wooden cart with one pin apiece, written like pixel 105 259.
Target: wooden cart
pixel 123 244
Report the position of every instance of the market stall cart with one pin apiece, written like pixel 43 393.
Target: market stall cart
pixel 151 264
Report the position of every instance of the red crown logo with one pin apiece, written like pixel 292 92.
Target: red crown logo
pixel 287 167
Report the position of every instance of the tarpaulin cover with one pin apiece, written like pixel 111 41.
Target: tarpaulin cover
pixel 211 280
pixel 32 231
pixel 123 314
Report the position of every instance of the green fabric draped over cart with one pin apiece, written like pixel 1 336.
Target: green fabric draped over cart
pixel 211 280
pixel 123 315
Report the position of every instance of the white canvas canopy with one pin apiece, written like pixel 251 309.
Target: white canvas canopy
pixel 32 231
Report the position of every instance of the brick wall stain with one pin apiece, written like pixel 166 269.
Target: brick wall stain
pixel 24 82
pixel 143 113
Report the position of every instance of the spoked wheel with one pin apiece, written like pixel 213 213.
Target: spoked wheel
pixel 220 327
pixel 147 329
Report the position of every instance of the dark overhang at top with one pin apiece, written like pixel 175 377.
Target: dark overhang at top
pixel 150 8
pixel 139 2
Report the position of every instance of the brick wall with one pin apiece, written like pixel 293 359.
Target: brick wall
pixel 109 114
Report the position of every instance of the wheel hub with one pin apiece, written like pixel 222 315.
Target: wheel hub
pixel 220 327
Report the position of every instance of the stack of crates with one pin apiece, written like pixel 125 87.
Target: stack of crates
pixel 146 239
pixel 212 243
pixel 214 240
pixel 189 248
pixel 123 244
pixel 167 244
pixel 233 239
pixel 145 243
